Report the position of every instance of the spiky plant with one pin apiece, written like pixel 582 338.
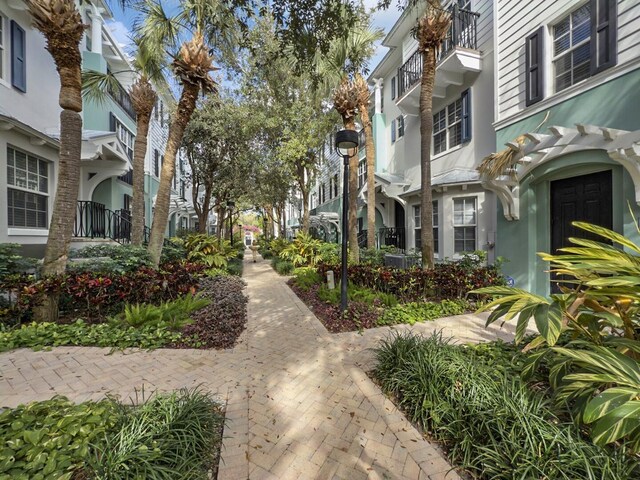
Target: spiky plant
pixel 61 24
pixel 432 30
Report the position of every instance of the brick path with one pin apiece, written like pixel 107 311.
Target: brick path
pixel 298 402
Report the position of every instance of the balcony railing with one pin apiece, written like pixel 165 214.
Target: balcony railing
pixel 462 33
pixel 122 98
pixel 393 236
pixel 127 177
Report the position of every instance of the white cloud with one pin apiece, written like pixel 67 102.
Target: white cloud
pixel 384 19
pixel 121 34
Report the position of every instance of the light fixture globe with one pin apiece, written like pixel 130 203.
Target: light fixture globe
pixel 346 140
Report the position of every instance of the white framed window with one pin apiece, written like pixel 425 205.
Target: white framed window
pixel 3 49
pixel 464 224
pixel 27 190
pixel 417 221
pixel 572 48
pixel 400 127
pixel 123 133
pixel 362 173
pixel 440 132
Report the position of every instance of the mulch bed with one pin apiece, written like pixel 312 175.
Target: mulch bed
pixel 220 324
pixel 359 315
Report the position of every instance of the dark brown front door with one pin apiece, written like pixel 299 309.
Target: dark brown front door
pixel 586 198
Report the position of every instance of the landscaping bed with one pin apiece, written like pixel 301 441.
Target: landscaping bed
pixel 174 435
pixel 490 422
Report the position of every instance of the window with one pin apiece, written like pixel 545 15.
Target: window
pixel 393 88
pixel 18 60
pixel 335 185
pixel 452 124
pixel 362 173
pixel 440 132
pixel 393 131
pixel 156 163
pixel 126 137
pixel 400 126
pixel 322 195
pixel 182 189
pixel 2 46
pixel 27 174
pixel 464 224
pixel 330 188
pixel 572 48
pixel 417 221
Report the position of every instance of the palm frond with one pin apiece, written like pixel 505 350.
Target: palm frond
pixel 156 28
pixel 97 85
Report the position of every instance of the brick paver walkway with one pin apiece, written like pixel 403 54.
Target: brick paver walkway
pixel 298 402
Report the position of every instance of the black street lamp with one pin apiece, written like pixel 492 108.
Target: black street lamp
pixel 230 205
pixel 346 140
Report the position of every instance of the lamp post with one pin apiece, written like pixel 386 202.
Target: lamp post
pixel 346 140
pixel 230 205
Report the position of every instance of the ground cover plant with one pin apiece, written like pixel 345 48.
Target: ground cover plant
pixel 174 435
pixel 597 372
pixel 488 420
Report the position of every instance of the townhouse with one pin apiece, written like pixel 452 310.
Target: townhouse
pixel 567 77
pixel 29 133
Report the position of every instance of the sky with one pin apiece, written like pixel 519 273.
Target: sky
pixel 384 19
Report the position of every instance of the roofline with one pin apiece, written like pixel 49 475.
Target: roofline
pixel 30 130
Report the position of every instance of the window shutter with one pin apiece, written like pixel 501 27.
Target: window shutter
pixel 393 88
pixel 18 60
pixel 534 67
pixel 400 126
pixel 393 130
pixel 466 115
pixel 604 35
pixel 112 122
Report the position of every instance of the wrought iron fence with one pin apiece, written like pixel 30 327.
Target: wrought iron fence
pixel 393 236
pixel 94 220
pixel 463 32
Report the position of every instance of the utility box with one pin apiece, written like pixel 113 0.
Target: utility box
pixel 331 282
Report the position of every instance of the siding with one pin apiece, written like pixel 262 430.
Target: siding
pixel 517 18
pixel 485 24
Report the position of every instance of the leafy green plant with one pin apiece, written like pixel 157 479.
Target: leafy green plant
pixel 305 278
pixel 414 312
pixel 303 250
pixel 357 294
pixel 173 314
pixel 599 307
pixel 490 422
pixel 175 435
pixel 216 272
pixel 277 245
pixel 108 259
pixel 208 250
pixel 283 267
pixel 11 262
pixel 53 438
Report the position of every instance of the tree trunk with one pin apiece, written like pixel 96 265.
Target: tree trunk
pixel 139 152
pixel 426 132
pixel 305 209
pixel 354 251
pixel 371 183
pixel 186 106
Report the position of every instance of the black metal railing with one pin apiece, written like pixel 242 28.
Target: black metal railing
pixel 127 177
pixel 362 239
pixel 393 237
pixel 463 32
pixel 94 220
pixel 122 98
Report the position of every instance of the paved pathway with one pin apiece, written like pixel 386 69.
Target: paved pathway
pixel 299 404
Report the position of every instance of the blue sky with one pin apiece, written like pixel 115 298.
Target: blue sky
pixel 385 19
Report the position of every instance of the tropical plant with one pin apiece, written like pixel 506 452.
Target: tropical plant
pixel 597 372
pixel 61 24
pixel 303 250
pixel 210 251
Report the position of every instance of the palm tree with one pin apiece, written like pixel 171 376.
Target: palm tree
pixel 61 24
pixel 95 85
pixel 432 30
pixel 340 68
pixel 191 65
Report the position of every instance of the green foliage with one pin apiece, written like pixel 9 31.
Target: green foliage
pixel 598 373
pixel 172 435
pixel 306 277
pixel 283 267
pixel 79 333
pixel 329 252
pixel 414 312
pixel 216 272
pixel 206 249
pixel 173 314
pixel 357 294
pixel 371 256
pixel 11 262
pixel 277 245
pixel 234 267
pixel 52 439
pixel 490 422
pixel 303 250
pixel 172 252
pixel 108 259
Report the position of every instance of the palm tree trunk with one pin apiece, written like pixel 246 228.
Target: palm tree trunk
pixel 371 183
pixel 354 252
pixel 426 132
pixel 186 106
pixel 139 152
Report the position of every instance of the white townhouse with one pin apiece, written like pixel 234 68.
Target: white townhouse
pixel 463 106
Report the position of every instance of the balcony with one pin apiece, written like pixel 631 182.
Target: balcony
pixel 122 98
pixel 458 55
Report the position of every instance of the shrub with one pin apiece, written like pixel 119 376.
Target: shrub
pixel 414 312
pixel 329 252
pixel 490 423
pixel 283 267
pixel 108 259
pixel 174 314
pixel 277 245
pixel 209 250
pixel 172 252
pixel 598 373
pixel 303 250
pixel 357 294
pixel 305 278
pixel 12 263
pixel 235 267
pixel 215 272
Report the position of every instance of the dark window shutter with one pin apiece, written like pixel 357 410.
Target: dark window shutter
pixel 18 57
pixel 466 115
pixel 156 168
pixel 534 67
pixel 393 88
pixel 604 35
pixel 393 130
pixel 112 122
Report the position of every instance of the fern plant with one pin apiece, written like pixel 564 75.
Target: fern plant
pixel 597 371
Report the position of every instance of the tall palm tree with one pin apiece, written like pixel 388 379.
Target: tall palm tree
pixel 147 66
pixel 433 26
pixel 61 24
pixel 340 68
pixel 191 64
